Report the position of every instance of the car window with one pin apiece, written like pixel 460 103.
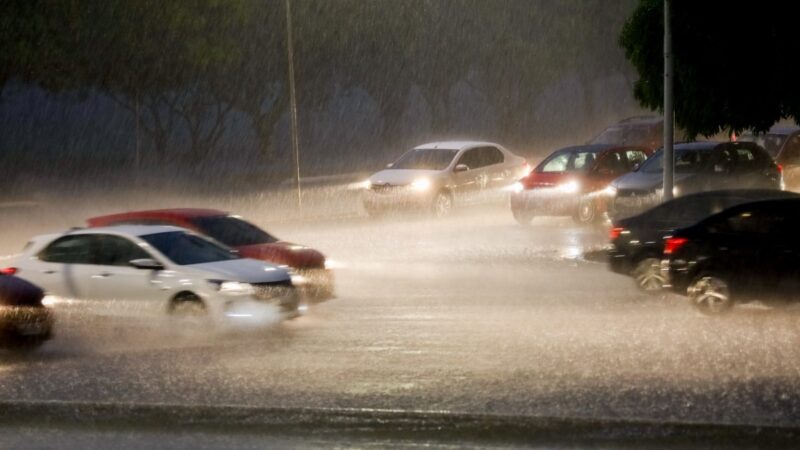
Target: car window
pixel 491 156
pixel 686 161
pixel 186 249
pixel 425 159
pixel 764 220
pixel 69 250
pixel 110 250
pixel 232 231
pixel 472 158
pixel 770 142
pixel 612 163
pixel 567 161
pixel 635 157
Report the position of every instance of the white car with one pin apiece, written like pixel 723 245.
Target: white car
pixel 434 176
pixel 162 270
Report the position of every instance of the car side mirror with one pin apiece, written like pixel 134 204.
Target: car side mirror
pixel 146 263
pixel 635 167
pixel 460 168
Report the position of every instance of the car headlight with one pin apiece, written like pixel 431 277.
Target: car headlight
pixel 422 184
pixel 610 191
pixel 232 287
pixel 517 187
pixel 569 187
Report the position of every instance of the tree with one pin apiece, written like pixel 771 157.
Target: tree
pixel 734 66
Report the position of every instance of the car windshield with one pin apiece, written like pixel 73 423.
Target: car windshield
pixel 185 249
pixel 772 143
pixel 568 161
pixel 626 135
pixel 425 159
pixel 687 160
pixel 232 231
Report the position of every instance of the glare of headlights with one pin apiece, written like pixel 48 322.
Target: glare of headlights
pixel 610 191
pixel 295 248
pixel 49 300
pixel 675 191
pixel 422 184
pixel 517 187
pixel 299 280
pixel 366 184
pixel 569 187
pixel 333 264
pixel 235 288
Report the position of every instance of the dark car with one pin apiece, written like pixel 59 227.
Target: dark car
pixel 571 182
pixel 699 167
pixel 646 131
pixel 24 322
pixel 748 252
pixel 637 242
pixel 783 144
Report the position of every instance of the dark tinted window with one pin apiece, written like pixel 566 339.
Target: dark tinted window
pixel 425 159
pixel 472 158
pixel 232 231
pixel 110 250
pixel 686 161
pixel 69 249
pixel 770 142
pixel 186 249
pixel 491 156
pixel 612 163
pixel 773 220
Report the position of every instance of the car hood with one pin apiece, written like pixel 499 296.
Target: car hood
pixel 641 181
pixel 285 253
pixel 400 177
pixel 244 269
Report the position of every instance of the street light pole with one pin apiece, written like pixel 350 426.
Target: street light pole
pixel 293 103
pixel 669 154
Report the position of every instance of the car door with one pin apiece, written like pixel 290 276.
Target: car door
pixel 62 265
pixel 720 172
pixel 497 171
pixel 114 281
pixel 473 178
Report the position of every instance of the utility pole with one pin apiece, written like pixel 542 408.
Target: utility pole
pixel 669 115
pixel 293 103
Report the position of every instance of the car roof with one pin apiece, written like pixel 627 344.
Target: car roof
pixel 640 120
pixel 173 213
pixel 455 145
pixel 132 230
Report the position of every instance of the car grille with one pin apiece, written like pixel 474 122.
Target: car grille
pixel 385 188
pixel 281 293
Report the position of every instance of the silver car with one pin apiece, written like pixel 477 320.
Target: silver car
pixel 162 270
pixel 435 176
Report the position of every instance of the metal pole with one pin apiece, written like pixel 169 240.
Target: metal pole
pixel 293 103
pixel 137 155
pixel 669 154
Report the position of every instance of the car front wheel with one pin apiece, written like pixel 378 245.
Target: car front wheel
pixel 442 204
pixel 710 295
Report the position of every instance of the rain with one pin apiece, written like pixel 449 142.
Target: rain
pixel 381 275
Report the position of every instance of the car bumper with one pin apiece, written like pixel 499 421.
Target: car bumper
pixel 619 262
pixel 314 285
pixel 20 324
pixel 546 202
pixel 266 307
pixel 399 199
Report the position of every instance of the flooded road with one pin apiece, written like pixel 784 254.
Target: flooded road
pixel 471 314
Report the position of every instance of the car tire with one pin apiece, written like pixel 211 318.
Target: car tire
pixel 648 277
pixel 522 216
pixel 442 204
pixel 587 213
pixel 710 295
pixel 190 313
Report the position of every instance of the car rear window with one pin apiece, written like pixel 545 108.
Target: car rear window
pixel 232 231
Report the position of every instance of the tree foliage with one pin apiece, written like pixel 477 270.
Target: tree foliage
pixel 733 66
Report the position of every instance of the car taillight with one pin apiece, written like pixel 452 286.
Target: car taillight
pixel 780 168
pixel 615 232
pixel 673 244
pixel 8 271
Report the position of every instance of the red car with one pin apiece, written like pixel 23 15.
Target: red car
pixel 249 240
pixel 572 182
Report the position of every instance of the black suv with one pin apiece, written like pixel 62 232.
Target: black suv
pixel 699 167
pixel 637 242
pixel 748 252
